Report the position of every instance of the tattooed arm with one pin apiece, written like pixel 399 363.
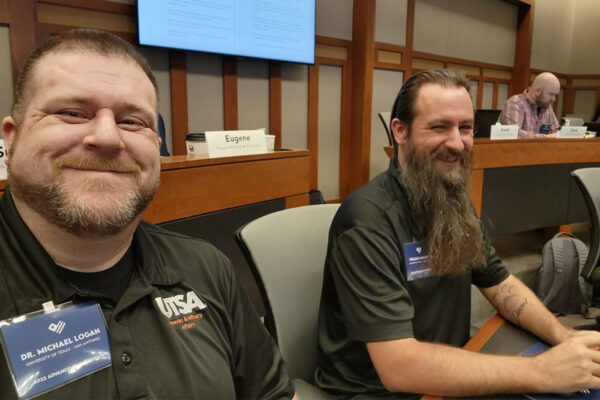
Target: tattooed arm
pixel 517 303
pixel 407 365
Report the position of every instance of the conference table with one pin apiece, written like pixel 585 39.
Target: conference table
pixel 499 336
pixel 192 185
pixel 524 184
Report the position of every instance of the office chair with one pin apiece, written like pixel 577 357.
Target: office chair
pixel 385 118
pixel 588 180
pixel 286 251
pixel 161 133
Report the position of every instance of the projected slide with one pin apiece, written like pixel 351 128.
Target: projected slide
pixel 271 29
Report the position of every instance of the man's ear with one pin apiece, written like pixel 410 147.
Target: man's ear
pixel 9 134
pixel 400 131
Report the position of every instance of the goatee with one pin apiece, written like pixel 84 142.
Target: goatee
pixel 442 209
pixel 85 215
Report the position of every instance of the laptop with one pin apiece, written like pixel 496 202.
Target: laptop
pixel 484 119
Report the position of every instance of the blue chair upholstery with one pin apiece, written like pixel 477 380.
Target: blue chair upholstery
pixel 161 133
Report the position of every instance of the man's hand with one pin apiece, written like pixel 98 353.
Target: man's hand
pixel 572 365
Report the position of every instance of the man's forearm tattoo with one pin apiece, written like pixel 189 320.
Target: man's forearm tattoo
pixel 509 304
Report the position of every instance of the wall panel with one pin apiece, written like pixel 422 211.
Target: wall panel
pixel 6 79
pixel 586 31
pixel 473 89
pixel 502 95
pixel 559 104
pixel 159 61
pixel 585 100
pixel 552 40
pixel 386 84
pixel 479 30
pixel 79 17
pixel 253 94
pixel 334 18
pixel 294 106
pixel 487 95
pixel 330 105
pixel 390 21
pixel 205 92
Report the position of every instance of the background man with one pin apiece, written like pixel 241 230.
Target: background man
pixel 403 252
pixel 83 162
pixel 532 110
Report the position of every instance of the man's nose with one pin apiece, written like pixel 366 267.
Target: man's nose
pixel 454 140
pixel 104 134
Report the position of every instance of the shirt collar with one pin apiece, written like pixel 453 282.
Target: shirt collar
pixel 30 265
pixel 151 260
pixel 529 101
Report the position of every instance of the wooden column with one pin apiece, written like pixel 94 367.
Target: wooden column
pixel 4 19
pixel 410 34
pixel 22 32
pixel 230 100
pixel 313 124
pixel 275 102
pixel 179 108
pixel 495 95
pixel 521 72
pixel 363 56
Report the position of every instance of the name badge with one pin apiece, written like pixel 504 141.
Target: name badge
pixel 235 143
pixel 545 128
pixel 416 261
pixel 2 157
pixel 502 132
pixel 46 351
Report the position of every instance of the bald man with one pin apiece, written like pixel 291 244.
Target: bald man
pixel 532 110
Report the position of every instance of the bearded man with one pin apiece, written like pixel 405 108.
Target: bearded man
pixel 403 252
pixel 83 163
pixel 532 110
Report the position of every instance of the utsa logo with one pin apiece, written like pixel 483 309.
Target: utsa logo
pixel 181 304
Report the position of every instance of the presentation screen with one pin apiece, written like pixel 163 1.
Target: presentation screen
pixel 271 29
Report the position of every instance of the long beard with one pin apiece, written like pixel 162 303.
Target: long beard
pixel 85 215
pixel 442 210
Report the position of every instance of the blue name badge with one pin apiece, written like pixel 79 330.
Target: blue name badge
pixel 545 128
pixel 50 350
pixel 416 261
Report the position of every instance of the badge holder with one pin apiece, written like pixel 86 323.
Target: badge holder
pixel 52 347
pixel 416 261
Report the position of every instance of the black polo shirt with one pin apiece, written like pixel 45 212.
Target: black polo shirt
pixel 225 354
pixel 367 298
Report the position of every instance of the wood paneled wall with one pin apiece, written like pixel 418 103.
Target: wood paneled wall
pixel 330 51
pixel 31 21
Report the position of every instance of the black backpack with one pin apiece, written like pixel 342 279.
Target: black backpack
pixel 559 284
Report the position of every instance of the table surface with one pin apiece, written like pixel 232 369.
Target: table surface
pixel 499 336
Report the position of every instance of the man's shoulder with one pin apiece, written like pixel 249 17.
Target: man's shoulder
pixel 180 240
pixel 370 206
pixel 187 254
pixel 517 99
